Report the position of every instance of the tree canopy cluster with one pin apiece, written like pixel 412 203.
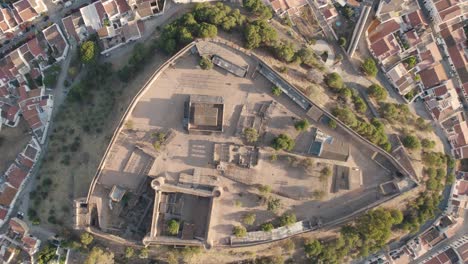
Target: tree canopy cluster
pixel 411 142
pixel 370 67
pixel 259 33
pixel 259 8
pixel 373 131
pixel 202 22
pixel 377 92
pixel 283 142
pixel 395 112
pixel 369 233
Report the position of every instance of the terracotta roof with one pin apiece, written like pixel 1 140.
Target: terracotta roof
pixel 55 39
pixel 3 213
pixel 22 160
pixel 110 7
pixel 70 28
pixel 383 30
pixel 458 57
pixel 15 176
pixel 21 5
pixel 7 195
pixel 462 188
pixel 123 6
pixel 416 19
pixel 35 48
pixel 412 37
pixel 30 152
pixel 12 112
pixel 433 76
pixel 16 226
pixel 450 13
pixel 380 47
pixel 29 243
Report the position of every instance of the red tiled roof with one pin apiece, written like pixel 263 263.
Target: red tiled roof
pixel 70 27
pixel 35 48
pixel 415 18
pixel 21 5
pixel 462 188
pixel 15 176
pixel 380 47
pixel 16 226
pixel 29 243
pixel 12 112
pixel 458 57
pixel 3 213
pixel 433 76
pixel 450 13
pixel 25 161
pixel 383 30
pixel 7 195
pixel 122 6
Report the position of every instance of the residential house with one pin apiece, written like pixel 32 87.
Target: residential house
pixel 146 8
pixel 289 7
pixel 442 101
pixel 433 76
pixel 329 12
pixel 57 43
pixel 75 27
pixel 402 79
pixel 446 12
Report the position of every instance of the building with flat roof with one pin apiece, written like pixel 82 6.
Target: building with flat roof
pixel 229 66
pixel 205 113
pixel 328 147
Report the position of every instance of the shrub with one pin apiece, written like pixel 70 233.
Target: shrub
pixel 267 227
pixel 411 142
pixel 378 92
pixel 144 253
pixel 205 63
pixel 334 81
pixel 86 239
pixel 302 125
pixel 283 142
pixel 129 252
pixel 288 219
pixel 273 204
pixel 251 135
pixel 325 173
pixel 264 189
pixel 276 91
pixel 249 219
pixel 342 42
pixel 427 143
pixel 369 67
pixel 239 231
pixel 173 227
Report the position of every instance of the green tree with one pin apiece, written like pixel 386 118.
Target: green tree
pixel 334 81
pixel 251 135
pixel 450 179
pixel 259 32
pixel 249 218
pixel 342 42
pixel 287 219
pixel 313 248
pixel 205 63
pixel 359 104
pixel 273 204
pixel 427 143
pixel 411 142
pixel 378 92
pixel 184 36
pixel 86 239
pixel 264 189
pixel 283 142
pixel 276 91
pixel 267 227
pixel 99 256
pixel 129 252
pixel 348 12
pixel 88 52
pixel 325 173
pixel 411 61
pixel 346 116
pixel 239 231
pixel 206 30
pixel 302 125
pixel 369 67
pixel 144 253
pixel 173 227
pixel 285 51
pixel 397 216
